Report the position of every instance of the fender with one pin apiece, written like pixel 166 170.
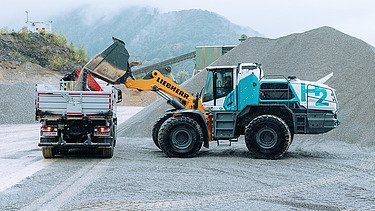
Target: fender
pixel 197 116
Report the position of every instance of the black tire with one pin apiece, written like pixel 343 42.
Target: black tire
pixel 180 136
pixel 107 152
pixel 156 127
pixel 267 137
pixel 48 152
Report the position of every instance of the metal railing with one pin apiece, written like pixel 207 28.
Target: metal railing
pixel 318 98
pixel 286 90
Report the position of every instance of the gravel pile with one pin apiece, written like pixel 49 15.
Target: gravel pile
pixel 314 54
pixel 17 91
pixel 309 55
pixel 140 125
pixel 17 103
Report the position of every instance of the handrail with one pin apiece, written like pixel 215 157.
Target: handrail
pixel 307 98
pixel 277 75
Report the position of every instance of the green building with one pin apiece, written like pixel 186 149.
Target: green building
pixel 205 55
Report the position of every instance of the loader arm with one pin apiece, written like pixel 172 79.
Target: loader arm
pixel 167 88
pixel 159 82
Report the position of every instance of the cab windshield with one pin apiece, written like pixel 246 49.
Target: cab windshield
pixel 219 83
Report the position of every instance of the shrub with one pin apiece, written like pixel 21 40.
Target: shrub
pixel 79 55
pixel 24 33
pixel 4 31
pixel 57 62
pixel 59 40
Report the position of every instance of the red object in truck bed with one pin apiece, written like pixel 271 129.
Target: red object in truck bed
pixel 91 82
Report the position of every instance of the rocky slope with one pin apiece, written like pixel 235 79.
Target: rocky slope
pixel 47 50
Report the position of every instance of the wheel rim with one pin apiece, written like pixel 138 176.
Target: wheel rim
pixel 181 139
pixel 266 138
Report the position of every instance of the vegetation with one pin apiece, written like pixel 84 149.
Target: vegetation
pixel 24 33
pixel 57 62
pixel 46 49
pixel 57 39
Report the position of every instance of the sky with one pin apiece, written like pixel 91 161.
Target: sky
pixel 272 18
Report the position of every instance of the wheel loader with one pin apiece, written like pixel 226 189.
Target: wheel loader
pixel 236 100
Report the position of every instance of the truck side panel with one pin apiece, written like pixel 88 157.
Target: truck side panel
pixel 57 102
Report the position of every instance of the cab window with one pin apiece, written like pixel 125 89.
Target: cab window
pixel 219 83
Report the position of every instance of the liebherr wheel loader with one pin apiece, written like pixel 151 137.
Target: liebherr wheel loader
pixel 237 100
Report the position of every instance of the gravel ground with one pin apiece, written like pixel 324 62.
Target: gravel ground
pixel 140 177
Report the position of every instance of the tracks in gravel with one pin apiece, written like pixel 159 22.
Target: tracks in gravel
pixel 66 190
pixel 328 172
pixel 217 200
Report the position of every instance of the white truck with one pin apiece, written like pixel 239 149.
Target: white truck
pixel 76 119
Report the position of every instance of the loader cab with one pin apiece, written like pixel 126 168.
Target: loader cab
pixel 222 80
pixel 219 83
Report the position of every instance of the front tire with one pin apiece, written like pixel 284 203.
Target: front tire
pixel 156 128
pixel 180 136
pixel 267 137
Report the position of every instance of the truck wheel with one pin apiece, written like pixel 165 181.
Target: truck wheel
pixel 48 152
pixel 156 127
pixel 267 137
pixel 107 152
pixel 180 136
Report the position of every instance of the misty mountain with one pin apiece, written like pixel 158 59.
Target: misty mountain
pixel 148 33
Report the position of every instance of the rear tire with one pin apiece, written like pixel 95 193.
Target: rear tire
pixel 180 136
pixel 156 128
pixel 267 137
pixel 107 152
pixel 48 152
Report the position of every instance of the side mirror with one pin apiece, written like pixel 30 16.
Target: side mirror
pixel 119 95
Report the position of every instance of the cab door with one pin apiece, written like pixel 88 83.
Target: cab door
pixel 219 83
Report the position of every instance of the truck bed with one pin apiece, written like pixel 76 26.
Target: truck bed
pixel 54 104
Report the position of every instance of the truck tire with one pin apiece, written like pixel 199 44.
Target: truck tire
pixel 180 136
pixel 156 127
pixel 267 137
pixel 48 152
pixel 107 152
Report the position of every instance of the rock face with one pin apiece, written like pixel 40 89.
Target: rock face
pixel 310 55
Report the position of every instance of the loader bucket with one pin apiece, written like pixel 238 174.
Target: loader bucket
pixel 111 65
